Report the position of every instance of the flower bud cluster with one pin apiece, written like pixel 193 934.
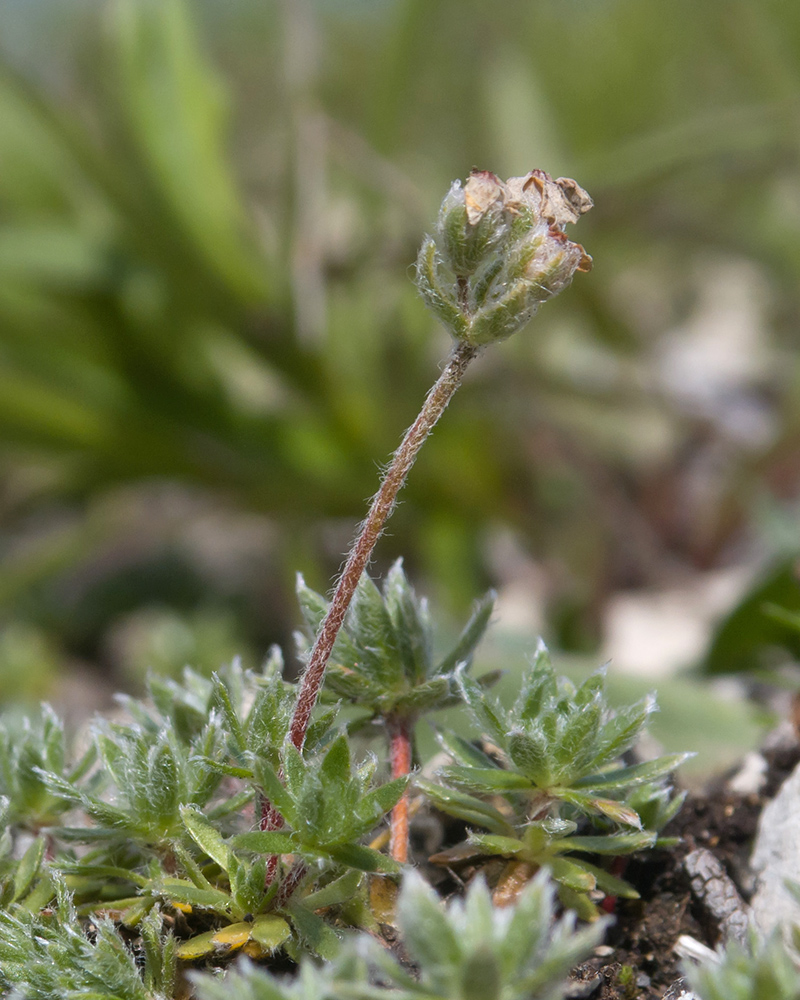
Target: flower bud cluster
pixel 499 250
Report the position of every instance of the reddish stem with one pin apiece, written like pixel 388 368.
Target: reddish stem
pixel 271 819
pixel 296 875
pixel 379 511
pixel 400 756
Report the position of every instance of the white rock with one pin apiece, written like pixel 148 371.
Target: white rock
pixel 776 857
pixel 751 776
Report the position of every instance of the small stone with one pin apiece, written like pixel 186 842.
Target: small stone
pixel 680 991
pixel 751 776
pixel 717 894
pixel 584 990
pixel 603 950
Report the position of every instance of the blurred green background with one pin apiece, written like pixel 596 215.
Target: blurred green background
pixel 210 339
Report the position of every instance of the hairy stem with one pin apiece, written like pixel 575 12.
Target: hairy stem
pixel 379 511
pixel 296 875
pixel 400 756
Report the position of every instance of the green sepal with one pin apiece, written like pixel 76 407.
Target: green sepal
pixel 432 289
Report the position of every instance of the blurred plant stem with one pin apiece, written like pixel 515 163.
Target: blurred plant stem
pixel 401 753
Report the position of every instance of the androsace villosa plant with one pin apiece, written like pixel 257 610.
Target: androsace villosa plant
pixel 232 816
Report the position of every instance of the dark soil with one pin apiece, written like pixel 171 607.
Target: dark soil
pixel 638 961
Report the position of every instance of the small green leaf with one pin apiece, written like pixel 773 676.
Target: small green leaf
pixel 336 764
pixel 471 635
pixel 295 770
pixel 572 875
pixel 481 977
pixel 267 842
pixel 207 837
pixel 270 931
pixel 410 622
pixel 275 791
pixel 432 939
pixel 609 883
pixel 28 868
pixel 102 872
pixel 627 777
pixel 197 947
pixel 489 716
pixel 364 859
pixel 507 847
pixel 180 891
pixel 370 628
pixel 615 810
pixel 538 686
pixel 41 893
pixel 489 780
pixel 463 806
pixel 533 754
pixel 462 751
pixel 313 605
pixel 243 773
pixel 319 729
pixel 622 730
pixel 338 891
pixel 316 935
pixel 622 843
pixel 424 697
pixel 231 718
pixel 134 914
pixel 191 867
pixel 379 801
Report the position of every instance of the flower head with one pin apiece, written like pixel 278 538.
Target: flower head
pixel 499 250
